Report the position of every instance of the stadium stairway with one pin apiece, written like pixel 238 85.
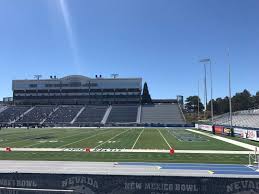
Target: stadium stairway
pixel 12 113
pixel 2 108
pixel 77 115
pixel 106 115
pixel 64 115
pixel 22 115
pixel 91 114
pixel 54 110
pixel 139 114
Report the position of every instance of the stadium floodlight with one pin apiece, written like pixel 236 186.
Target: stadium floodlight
pixel 205 62
pixel 37 77
pixel 114 75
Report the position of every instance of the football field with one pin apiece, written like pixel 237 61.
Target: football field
pixel 140 144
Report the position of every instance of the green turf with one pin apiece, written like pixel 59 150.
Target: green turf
pixel 123 157
pixel 120 138
pixel 151 139
pixel 210 144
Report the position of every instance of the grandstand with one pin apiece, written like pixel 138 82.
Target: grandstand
pixel 162 113
pixel 63 115
pixel 245 118
pixel 82 101
pixel 12 113
pixel 123 114
pixel 91 115
pixel 36 115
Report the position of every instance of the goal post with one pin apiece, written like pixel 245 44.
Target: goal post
pixel 254 159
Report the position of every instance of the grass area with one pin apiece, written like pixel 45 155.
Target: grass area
pixel 210 144
pixel 120 138
pixel 126 157
pixel 149 138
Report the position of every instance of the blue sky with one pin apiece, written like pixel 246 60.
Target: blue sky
pixel 159 40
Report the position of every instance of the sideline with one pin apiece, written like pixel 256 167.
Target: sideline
pixel 234 142
pixel 126 151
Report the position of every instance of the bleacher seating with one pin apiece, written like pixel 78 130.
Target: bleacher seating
pixel 36 115
pixel 12 113
pixel 64 114
pixel 123 114
pixel 2 108
pixel 162 113
pixel 247 118
pixel 91 114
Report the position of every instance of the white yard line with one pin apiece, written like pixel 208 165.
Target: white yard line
pixel 137 138
pixel 164 138
pixel 234 142
pixel 111 138
pixel 82 139
pixel 172 133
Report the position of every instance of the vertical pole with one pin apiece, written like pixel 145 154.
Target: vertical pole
pixel 249 159
pixel 256 159
pixel 205 89
pixel 198 99
pixel 230 95
pixel 211 93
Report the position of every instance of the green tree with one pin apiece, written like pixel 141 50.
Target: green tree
pixel 242 101
pixel 191 104
pixel 256 100
pixel 146 98
pixel 220 106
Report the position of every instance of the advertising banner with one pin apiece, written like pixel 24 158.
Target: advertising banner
pixel 219 129
pixel 118 184
pixel 238 132
pixel 250 134
pixel 206 127
pixel 227 131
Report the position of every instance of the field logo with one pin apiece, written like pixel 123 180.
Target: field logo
pixel 243 187
pixel 80 184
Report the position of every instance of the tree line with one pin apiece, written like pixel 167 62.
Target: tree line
pixel 240 101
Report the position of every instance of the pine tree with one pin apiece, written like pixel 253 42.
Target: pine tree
pixel 146 99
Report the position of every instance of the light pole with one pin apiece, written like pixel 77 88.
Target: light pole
pixel 206 61
pixel 198 99
pixel 205 87
pixel 230 95
pixel 211 95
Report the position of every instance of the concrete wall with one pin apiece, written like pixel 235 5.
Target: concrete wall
pixel 112 184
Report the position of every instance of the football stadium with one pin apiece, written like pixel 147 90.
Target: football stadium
pixel 129 97
pixel 111 126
